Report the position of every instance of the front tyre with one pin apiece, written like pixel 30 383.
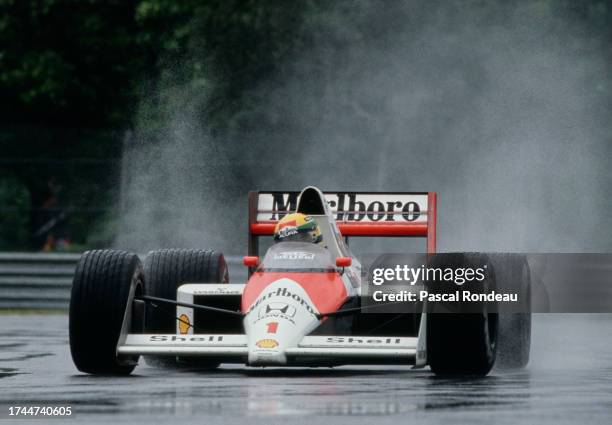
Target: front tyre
pixel 462 343
pixel 105 281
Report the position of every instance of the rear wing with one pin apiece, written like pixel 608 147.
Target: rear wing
pixel 357 214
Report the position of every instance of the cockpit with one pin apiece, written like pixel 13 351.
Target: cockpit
pixel 310 203
pixel 297 256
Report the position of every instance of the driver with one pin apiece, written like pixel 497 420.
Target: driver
pixel 297 227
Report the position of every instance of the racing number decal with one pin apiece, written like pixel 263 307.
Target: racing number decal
pixel 272 327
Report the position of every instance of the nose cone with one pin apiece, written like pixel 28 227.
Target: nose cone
pixel 280 317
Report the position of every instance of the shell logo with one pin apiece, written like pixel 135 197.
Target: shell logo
pixel 267 343
pixel 184 324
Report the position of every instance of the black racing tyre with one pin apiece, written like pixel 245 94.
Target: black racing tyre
pixel 165 271
pixel 513 275
pixel 104 283
pixel 462 343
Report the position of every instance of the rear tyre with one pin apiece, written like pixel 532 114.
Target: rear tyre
pixel 165 271
pixel 462 343
pixel 513 275
pixel 104 284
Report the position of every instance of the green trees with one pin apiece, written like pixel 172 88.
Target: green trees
pixel 68 63
pixel 15 202
pixel 75 75
pixel 89 63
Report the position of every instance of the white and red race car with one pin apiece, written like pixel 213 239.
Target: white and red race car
pixel 301 305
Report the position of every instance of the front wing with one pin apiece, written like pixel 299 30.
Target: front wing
pixel 312 350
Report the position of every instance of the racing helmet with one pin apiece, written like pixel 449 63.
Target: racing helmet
pixel 297 227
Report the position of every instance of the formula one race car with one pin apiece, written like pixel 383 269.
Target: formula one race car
pixel 301 306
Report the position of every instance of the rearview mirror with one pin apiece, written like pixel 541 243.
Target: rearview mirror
pixel 250 261
pixel 344 261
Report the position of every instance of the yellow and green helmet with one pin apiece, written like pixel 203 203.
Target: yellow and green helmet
pixel 297 227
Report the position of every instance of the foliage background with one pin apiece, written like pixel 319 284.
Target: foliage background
pixel 81 79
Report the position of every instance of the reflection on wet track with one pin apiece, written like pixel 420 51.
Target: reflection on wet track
pixel 569 380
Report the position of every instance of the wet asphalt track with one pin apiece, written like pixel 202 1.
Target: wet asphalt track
pixel 568 381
